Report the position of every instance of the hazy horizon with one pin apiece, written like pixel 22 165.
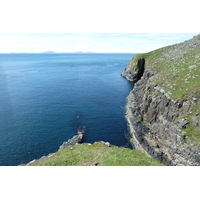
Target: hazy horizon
pixel 88 42
pixel 76 52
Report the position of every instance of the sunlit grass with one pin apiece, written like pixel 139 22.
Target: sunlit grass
pixel 99 154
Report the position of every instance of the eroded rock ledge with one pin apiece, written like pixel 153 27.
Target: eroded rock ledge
pixel 77 139
pixel 155 124
pixel 134 70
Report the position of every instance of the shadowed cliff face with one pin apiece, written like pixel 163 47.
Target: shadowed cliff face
pixel 134 70
pixel 163 109
pixel 140 66
pixel 156 121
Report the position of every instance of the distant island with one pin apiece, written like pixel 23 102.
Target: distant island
pixel 76 52
pixel 162 111
pixel 49 52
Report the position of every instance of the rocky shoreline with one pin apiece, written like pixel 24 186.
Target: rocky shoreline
pixel 77 139
pixel 157 122
pixel 164 128
pixel 153 127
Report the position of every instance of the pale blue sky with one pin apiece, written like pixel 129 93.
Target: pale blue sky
pixel 89 42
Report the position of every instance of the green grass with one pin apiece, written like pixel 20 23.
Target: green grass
pixel 173 73
pixel 142 55
pixel 195 108
pixel 171 66
pixel 87 155
pixel 192 132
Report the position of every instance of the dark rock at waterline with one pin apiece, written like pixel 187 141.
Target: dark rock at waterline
pixel 77 139
pixel 154 119
pixel 134 70
pixel 159 124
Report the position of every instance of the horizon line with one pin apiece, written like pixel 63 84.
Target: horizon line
pixel 53 52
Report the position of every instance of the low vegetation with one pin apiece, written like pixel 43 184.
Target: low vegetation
pixel 177 68
pixel 97 154
pixel 177 72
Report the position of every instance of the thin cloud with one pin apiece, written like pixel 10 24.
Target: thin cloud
pixel 95 42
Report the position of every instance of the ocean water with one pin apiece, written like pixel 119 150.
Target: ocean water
pixel 44 98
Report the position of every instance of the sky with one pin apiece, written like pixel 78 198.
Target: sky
pixel 88 42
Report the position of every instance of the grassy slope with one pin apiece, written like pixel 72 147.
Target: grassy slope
pixel 171 66
pixel 86 155
pixel 174 76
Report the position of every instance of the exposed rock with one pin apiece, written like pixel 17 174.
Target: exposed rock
pixel 77 139
pixel 186 106
pixel 192 67
pixel 107 144
pixel 182 123
pixel 95 164
pixel 134 70
pixel 196 122
pixel 156 121
pixel 154 126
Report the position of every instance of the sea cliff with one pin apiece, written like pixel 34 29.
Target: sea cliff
pixel 163 109
pixel 75 153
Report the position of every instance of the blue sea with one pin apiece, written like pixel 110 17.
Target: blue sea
pixel 44 98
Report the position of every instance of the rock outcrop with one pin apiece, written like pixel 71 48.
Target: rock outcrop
pixel 134 70
pixel 77 139
pixel 162 126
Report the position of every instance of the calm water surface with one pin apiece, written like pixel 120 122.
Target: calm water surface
pixel 44 98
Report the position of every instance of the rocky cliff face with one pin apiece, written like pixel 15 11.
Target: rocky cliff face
pixel 163 119
pixel 134 70
pixel 77 139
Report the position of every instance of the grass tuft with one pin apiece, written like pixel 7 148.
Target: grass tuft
pixel 96 154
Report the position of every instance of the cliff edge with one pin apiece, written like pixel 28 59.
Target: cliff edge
pixel 163 109
pixel 75 153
